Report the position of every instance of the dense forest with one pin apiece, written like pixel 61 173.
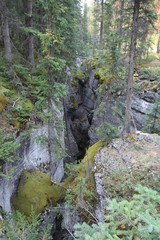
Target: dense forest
pixel 80 119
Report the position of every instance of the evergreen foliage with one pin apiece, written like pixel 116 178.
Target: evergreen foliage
pixel 18 226
pixel 153 121
pixel 135 219
pixel 8 149
pixel 38 48
pixel 8 146
pixel 106 132
pixel 50 34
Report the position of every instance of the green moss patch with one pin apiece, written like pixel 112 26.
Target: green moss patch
pixel 73 101
pixel 22 111
pixel 3 99
pixel 75 76
pixel 100 75
pixel 90 63
pixel 84 173
pixel 35 190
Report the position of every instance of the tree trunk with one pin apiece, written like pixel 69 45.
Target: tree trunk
pixel 30 42
pixel 158 45
pixel 101 27
pixel 143 38
pixel 6 36
pixel 131 66
pixel 121 24
pixel 95 28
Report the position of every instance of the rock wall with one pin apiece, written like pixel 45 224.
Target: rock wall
pixel 142 103
pixel 81 109
pixel 35 157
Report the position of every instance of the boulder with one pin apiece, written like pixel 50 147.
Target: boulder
pixel 35 155
pixel 35 191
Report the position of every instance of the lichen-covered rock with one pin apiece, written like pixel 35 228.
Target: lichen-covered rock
pixel 35 190
pixel 124 163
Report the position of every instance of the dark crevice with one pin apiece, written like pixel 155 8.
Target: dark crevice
pixel 60 232
pixel 79 109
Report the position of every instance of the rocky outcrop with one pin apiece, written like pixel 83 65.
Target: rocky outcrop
pixel 123 164
pixel 82 117
pixel 35 155
pixel 35 190
pixel 114 110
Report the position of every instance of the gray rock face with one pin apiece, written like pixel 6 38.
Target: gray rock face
pixel 142 104
pixel 82 118
pixel 34 156
pixel 79 108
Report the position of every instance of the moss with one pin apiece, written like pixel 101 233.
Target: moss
pixel 90 63
pixel 22 111
pixel 35 190
pixel 102 79
pixel 1 225
pixel 75 76
pixel 86 80
pixel 74 102
pixel 75 83
pixel 85 171
pixel 78 75
pixel 3 99
pixel 91 153
pixel 98 73
pixel 17 124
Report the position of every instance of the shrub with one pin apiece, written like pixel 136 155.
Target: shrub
pixel 18 226
pixel 135 219
pixel 107 132
pixel 8 147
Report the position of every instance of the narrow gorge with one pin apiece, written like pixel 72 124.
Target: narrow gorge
pixel 30 184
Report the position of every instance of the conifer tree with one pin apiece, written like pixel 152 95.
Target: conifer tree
pixel 131 65
pixel 30 39
pixel 6 35
pixel 135 27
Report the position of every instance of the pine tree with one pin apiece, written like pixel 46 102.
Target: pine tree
pixel 131 65
pixel 138 218
pixel 6 36
pixel 30 39
pixel 135 27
